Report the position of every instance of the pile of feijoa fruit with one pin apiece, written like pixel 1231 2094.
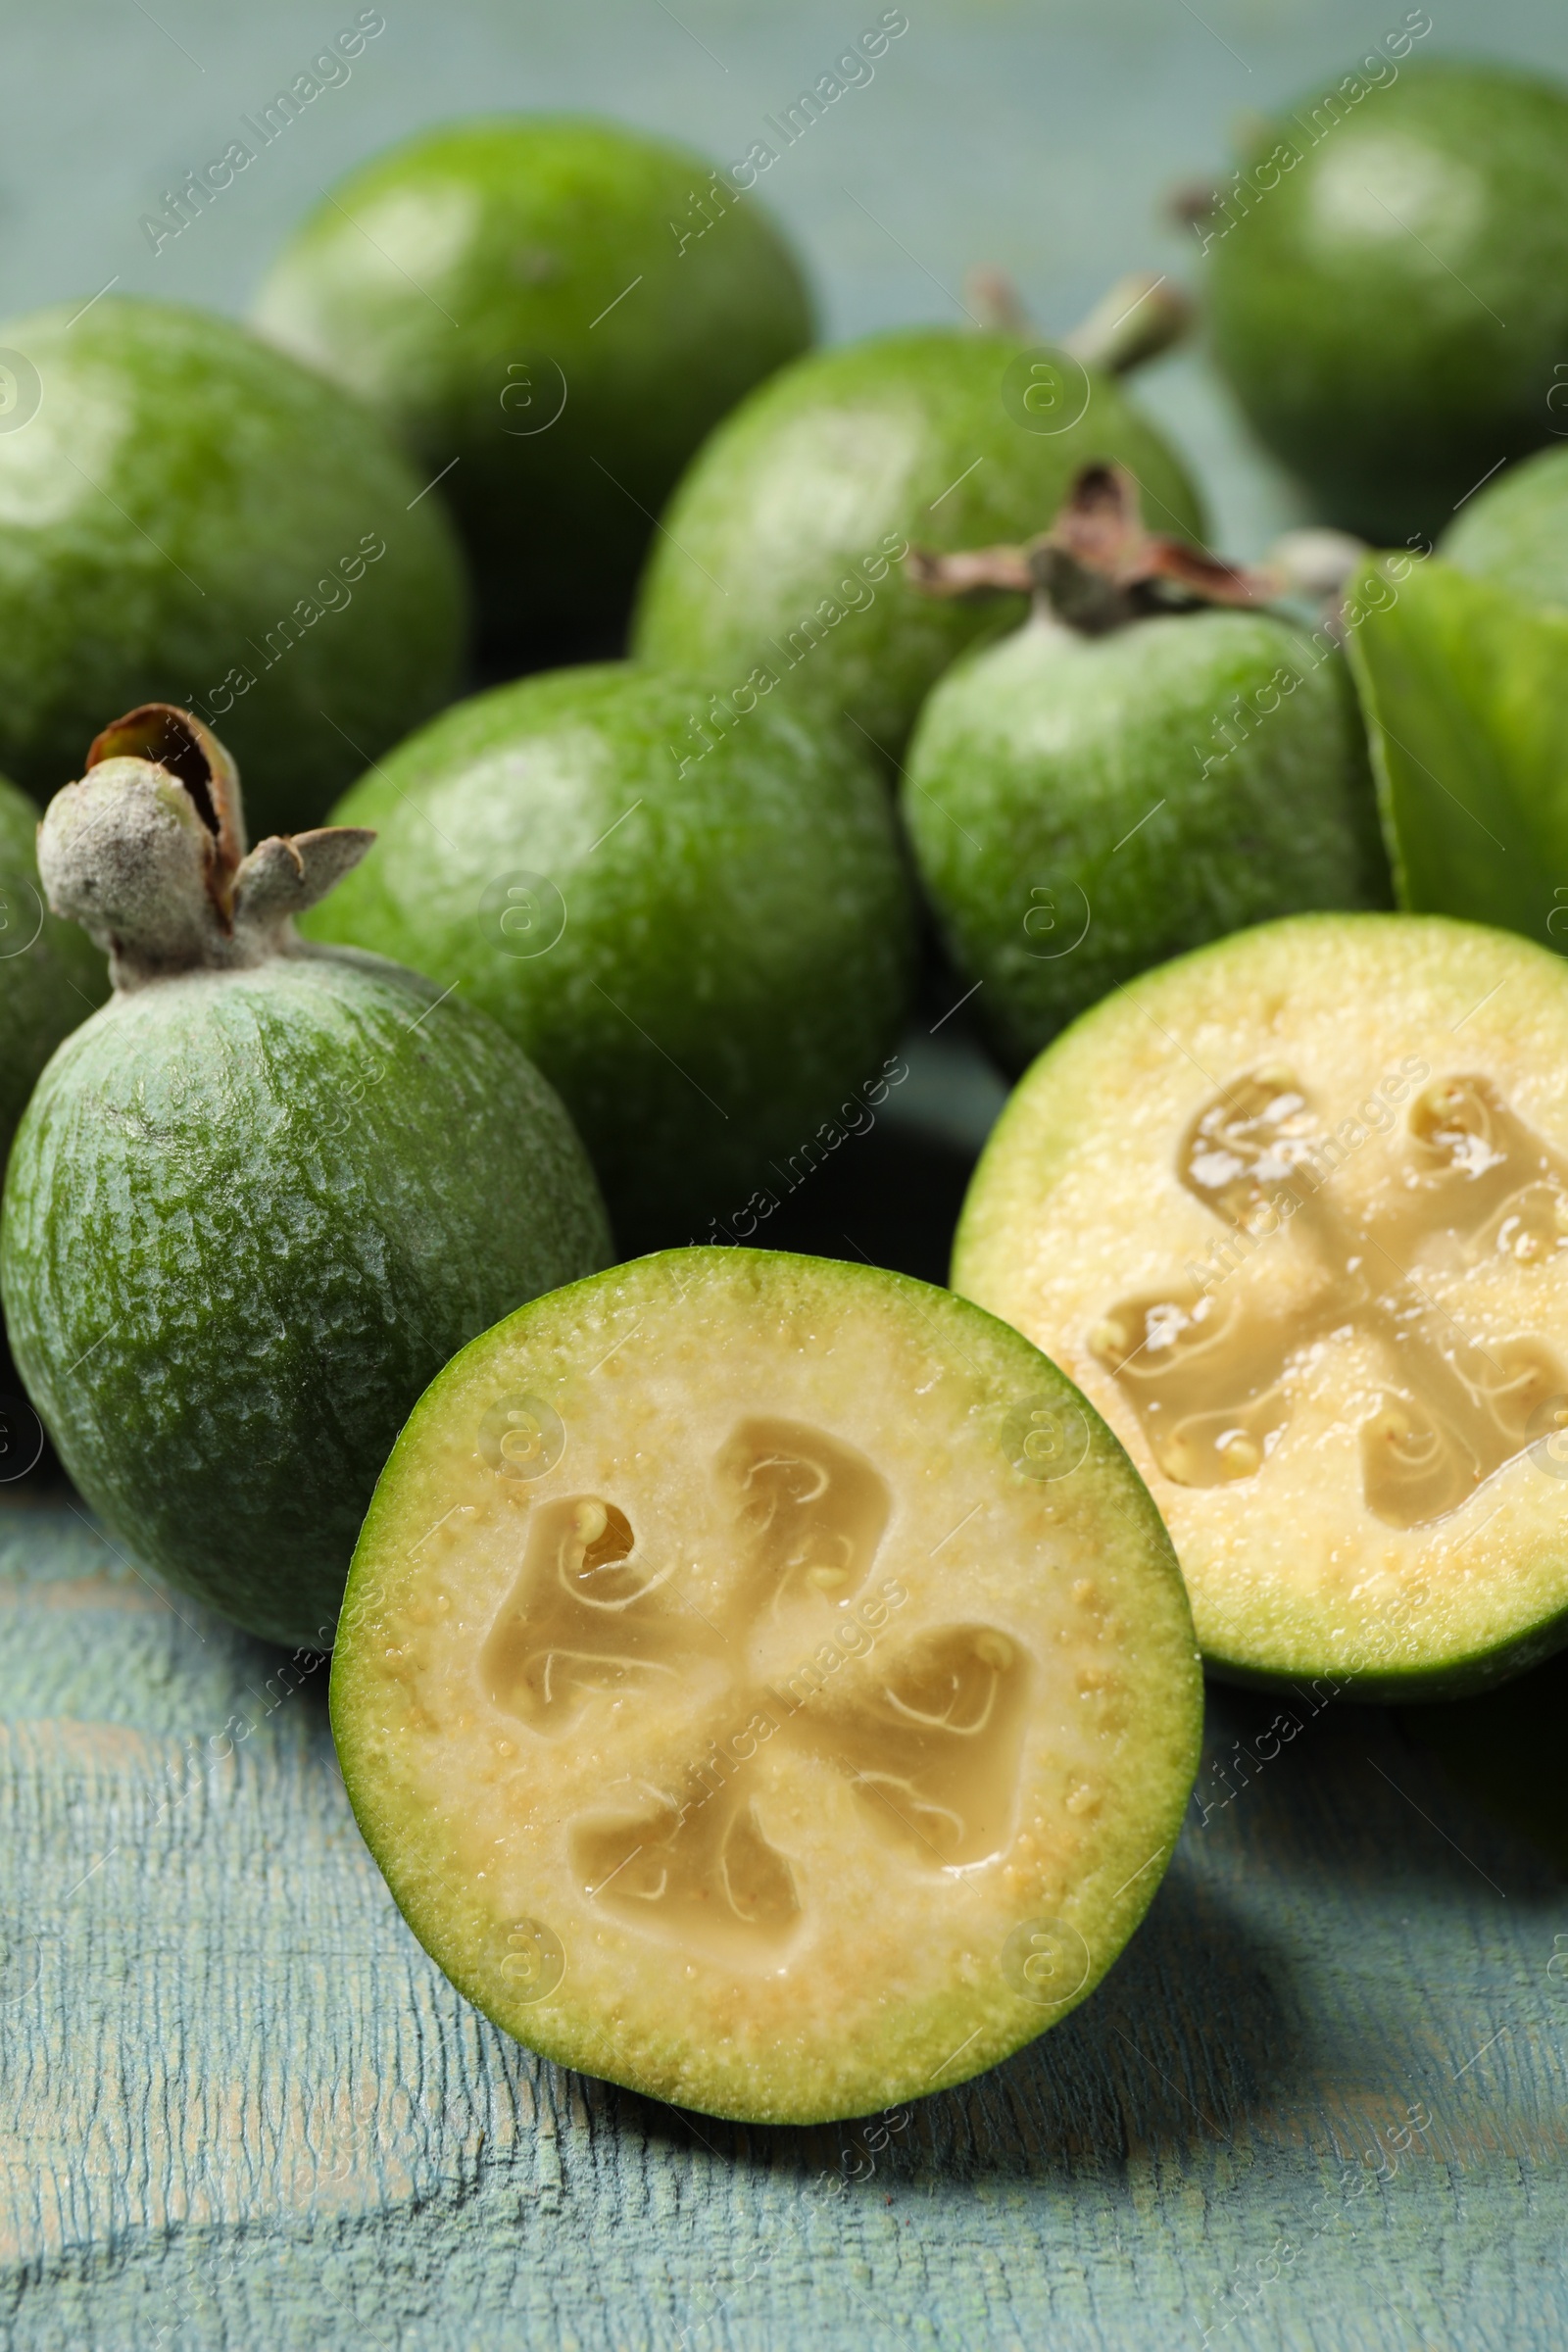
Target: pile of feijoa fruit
pixel 768 1679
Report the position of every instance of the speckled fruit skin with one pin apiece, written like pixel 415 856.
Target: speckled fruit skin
pixel 1515 532
pixel 51 975
pixel 726 948
pixel 248 1217
pixel 1391 310
pixel 803 503
pixel 181 493
pixel 1068 834
pixel 568 420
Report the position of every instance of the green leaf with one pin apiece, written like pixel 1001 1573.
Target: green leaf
pixel 1465 692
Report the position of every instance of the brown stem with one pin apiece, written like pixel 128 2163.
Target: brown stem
pixel 993 301
pixel 147 852
pixel 1139 317
pixel 1097 567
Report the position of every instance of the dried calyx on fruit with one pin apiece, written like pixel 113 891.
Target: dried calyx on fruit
pixel 781 559
pixel 1097 568
pixel 1153 760
pixel 148 854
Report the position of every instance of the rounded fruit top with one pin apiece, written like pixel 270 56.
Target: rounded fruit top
pixel 1135 771
pixel 557 310
pixel 781 564
pixel 187 513
pixel 1515 532
pixel 1388 285
pixel 697 921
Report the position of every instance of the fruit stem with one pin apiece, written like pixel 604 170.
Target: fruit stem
pixel 1097 568
pixel 147 852
pixel 995 303
pixel 1140 317
pixel 1316 562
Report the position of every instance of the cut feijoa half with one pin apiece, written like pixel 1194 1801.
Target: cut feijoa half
pixel 1294 1211
pixel 764 1684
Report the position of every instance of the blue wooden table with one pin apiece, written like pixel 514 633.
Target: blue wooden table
pixel 1322 2101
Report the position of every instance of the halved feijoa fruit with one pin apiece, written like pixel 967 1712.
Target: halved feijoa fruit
pixel 1293 1210
pixel 766 1684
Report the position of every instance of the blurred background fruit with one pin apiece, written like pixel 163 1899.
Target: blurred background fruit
pixel 188 515
pixel 551 312
pixel 1515 532
pixel 1389 284
pixel 51 975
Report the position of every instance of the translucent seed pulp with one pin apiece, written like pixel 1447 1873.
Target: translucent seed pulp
pixel 1206 1368
pixel 931 1747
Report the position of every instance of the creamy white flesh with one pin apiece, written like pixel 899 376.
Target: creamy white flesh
pixel 1294 1213
pixel 733 1716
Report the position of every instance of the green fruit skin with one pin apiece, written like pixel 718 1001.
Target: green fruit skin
pixel 735 937
pixel 1390 311
pixel 51 975
pixel 1068 833
pixel 800 506
pixel 189 510
pixel 249 1215
pixel 1515 533
pixel 520 232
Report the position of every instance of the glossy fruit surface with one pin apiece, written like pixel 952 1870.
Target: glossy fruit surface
pixel 186 513
pixel 51 975
pixel 555 308
pixel 1294 1211
pixel 1082 807
pixel 1388 287
pixel 764 1682
pixel 781 561
pixel 703 949
pixel 257 1199
pixel 1515 532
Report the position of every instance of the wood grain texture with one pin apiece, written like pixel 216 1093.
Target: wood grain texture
pixel 241 2106
pixel 238 2107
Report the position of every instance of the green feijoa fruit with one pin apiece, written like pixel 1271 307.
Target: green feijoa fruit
pixel 780 566
pixel 1388 285
pixel 1294 1211
pixel 700 927
pixel 1515 532
pixel 1118 781
pixel 51 975
pixel 260 1196
pixel 187 513
pixel 764 1682
pixel 551 313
